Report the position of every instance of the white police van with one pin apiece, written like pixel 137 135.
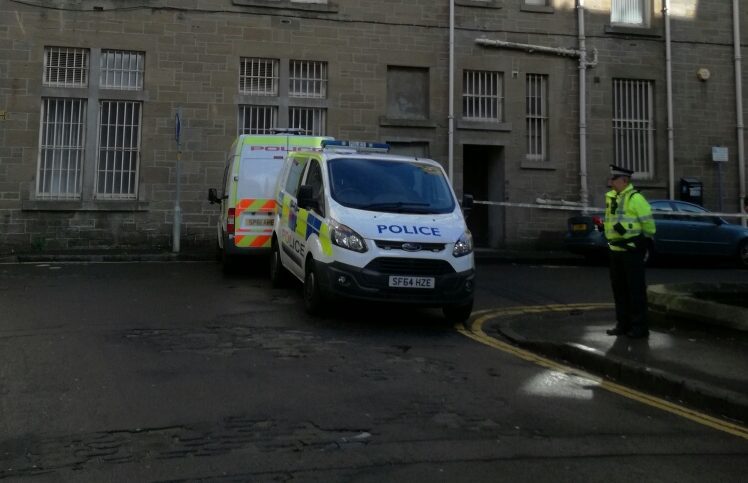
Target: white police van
pixel 357 222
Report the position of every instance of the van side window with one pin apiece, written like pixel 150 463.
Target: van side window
pixel 314 179
pixel 294 175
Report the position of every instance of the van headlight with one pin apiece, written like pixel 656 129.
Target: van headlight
pixel 345 237
pixel 464 245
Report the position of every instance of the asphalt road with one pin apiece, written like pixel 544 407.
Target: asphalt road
pixel 172 371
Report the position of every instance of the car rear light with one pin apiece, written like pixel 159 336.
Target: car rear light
pixel 598 222
pixel 230 220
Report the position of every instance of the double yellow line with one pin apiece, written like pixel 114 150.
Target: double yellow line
pixel 475 331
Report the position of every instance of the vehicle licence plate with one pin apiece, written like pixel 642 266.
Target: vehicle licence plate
pixel 411 282
pixel 578 227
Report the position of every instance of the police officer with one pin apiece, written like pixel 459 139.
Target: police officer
pixel 628 227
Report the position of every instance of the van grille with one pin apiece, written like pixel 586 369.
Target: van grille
pixel 410 266
pixel 397 245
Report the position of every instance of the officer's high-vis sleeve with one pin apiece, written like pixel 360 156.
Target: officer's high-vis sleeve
pixel 644 213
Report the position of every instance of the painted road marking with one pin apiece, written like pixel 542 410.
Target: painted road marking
pixel 475 331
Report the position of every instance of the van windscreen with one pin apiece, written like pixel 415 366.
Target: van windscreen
pixel 390 186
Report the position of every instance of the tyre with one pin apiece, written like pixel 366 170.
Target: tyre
pixel 458 313
pixel 278 273
pixel 313 298
pixel 743 254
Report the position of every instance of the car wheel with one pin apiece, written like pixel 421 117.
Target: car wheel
pixel 743 254
pixel 278 273
pixel 313 300
pixel 458 313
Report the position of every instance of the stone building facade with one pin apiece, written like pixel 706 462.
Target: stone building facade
pixel 89 91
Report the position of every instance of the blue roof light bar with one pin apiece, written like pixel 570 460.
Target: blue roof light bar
pixel 359 146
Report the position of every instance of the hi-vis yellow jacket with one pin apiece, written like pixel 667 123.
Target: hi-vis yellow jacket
pixel 632 211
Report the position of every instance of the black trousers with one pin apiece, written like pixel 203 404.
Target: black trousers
pixel 629 289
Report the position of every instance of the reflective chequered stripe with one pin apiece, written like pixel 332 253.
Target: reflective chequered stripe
pixel 252 241
pixel 259 205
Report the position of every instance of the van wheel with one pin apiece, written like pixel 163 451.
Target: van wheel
pixel 458 313
pixel 278 273
pixel 313 299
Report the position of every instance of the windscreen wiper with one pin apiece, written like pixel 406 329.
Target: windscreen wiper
pixel 395 206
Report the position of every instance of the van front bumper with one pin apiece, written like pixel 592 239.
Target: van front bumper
pixel 372 283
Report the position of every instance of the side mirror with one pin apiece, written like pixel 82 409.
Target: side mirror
pixel 213 196
pixel 305 199
pixel 467 204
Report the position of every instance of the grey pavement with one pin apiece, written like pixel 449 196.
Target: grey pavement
pixel 702 366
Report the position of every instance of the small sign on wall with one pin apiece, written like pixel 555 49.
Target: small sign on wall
pixel 719 154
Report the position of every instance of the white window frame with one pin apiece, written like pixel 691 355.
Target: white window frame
pixel 259 76
pixel 634 125
pixel 311 120
pixel 307 79
pixel 62 142
pixel 483 96
pixel 630 13
pixel 118 151
pixel 121 70
pixel 82 178
pixel 60 72
pixel 257 119
pixel 536 117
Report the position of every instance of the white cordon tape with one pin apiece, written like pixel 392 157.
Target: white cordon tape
pixel 602 210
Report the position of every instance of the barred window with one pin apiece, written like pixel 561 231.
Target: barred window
pixel 312 121
pixel 258 76
pixel 119 149
pixel 629 12
pixel 121 69
pixel 65 67
pixel 633 125
pixel 536 109
pixel 61 148
pixel 482 96
pixel 308 79
pixel 257 119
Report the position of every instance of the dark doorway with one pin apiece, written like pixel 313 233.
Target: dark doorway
pixel 483 177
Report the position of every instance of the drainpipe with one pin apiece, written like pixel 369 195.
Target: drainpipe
pixel 669 74
pixel 451 118
pixel 582 106
pixel 739 103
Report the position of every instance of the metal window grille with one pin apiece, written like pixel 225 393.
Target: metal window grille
pixel 121 69
pixel 629 12
pixel 119 150
pixel 62 143
pixel 312 121
pixel 308 79
pixel 482 95
pixel 258 76
pixel 65 67
pixel 257 119
pixel 633 125
pixel 536 107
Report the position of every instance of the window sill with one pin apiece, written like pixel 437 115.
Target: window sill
pixel 633 31
pixel 479 3
pixel 484 126
pixel 288 5
pixel 88 205
pixel 538 165
pixel 394 122
pixel 536 8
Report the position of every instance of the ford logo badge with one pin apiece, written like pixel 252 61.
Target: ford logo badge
pixel 411 247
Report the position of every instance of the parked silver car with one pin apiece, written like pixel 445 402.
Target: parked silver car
pixel 677 234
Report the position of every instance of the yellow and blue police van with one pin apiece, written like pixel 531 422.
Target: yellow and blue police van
pixel 247 194
pixel 357 222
